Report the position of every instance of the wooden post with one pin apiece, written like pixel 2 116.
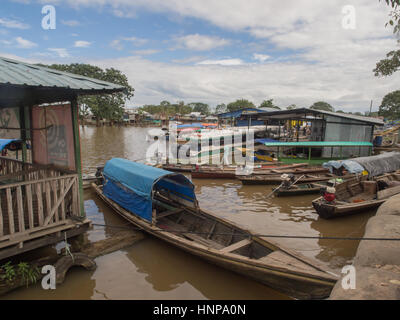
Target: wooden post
pixel 77 147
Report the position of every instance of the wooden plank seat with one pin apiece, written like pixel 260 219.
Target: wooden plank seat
pixel 172 226
pixel 236 246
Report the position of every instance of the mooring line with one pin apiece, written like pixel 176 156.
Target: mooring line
pixel 255 235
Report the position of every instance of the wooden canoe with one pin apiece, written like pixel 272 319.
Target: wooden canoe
pixel 222 243
pixel 300 189
pixel 357 195
pixel 276 179
pixel 233 173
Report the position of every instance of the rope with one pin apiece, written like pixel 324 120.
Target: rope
pixel 256 235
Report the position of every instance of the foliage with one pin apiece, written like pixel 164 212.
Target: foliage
pixel 291 107
pixel 390 106
pixel 167 109
pixel 104 106
pixel 26 273
pixel 221 108
pixel 8 273
pixel 321 105
pixel 200 107
pixel 268 104
pixel 391 64
pixel 239 104
pixel 388 66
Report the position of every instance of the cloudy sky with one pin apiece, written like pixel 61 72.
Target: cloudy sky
pixel 294 51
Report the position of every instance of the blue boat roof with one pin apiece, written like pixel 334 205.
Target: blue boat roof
pixel 139 177
pixel 5 142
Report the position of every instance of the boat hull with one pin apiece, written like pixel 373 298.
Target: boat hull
pixel 295 284
pixel 329 211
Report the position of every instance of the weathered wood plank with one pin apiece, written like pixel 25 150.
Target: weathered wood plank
pixel 29 203
pixel 48 200
pixel 62 188
pixel 57 204
pixel 20 209
pixel 236 246
pixel 55 190
pixel 40 203
pixel 10 211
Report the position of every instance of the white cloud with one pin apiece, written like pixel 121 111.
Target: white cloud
pixel 222 62
pixel 61 52
pixel 319 60
pixel 145 52
pixel 261 57
pixel 118 43
pixel 82 44
pixel 13 24
pixel 200 42
pixel 71 23
pixel 24 43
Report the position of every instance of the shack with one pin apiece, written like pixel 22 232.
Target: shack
pixel 328 126
pixel 41 198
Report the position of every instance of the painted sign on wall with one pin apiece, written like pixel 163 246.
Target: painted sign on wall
pixel 53 141
pixel 9 118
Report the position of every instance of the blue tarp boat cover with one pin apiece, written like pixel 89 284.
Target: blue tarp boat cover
pixel 5 142
pixel 350 165
pixel 374 165
pixel 131 185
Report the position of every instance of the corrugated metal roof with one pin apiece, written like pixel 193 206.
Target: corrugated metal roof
pixel 302 112
pixel 19 73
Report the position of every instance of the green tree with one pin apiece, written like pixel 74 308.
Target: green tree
pixel 390 106
pixel 291 107
pixel 104 106
pixel 321 105
pixel 240 104
pixel 200 107
pixel 391 64
pixel 221 108
pixel 268 104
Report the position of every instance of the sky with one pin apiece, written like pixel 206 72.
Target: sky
pixel 294 51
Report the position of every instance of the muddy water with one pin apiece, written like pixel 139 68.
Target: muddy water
pixel 151 269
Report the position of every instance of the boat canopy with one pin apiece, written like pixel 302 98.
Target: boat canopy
pixel 317 144
pixel 374 165
pixel 5 143
pixel 132 185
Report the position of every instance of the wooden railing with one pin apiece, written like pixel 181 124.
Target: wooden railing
pixel 34 199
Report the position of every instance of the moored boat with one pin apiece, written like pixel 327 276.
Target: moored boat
pixel 164 204
pixel 277 178
pixel 235 172
pixel 357 195
pixel 301 189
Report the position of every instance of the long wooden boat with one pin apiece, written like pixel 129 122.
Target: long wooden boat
pixel 276 179
pixel 357 195
pixel 301 189
pixel 177 219
pixel 233 173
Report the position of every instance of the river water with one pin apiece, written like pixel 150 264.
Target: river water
pixel 151 269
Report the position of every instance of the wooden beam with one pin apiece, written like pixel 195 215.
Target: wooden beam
pixel 236 246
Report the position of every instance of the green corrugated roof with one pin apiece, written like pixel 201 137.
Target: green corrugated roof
pixel 319 144
pixel 19 73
